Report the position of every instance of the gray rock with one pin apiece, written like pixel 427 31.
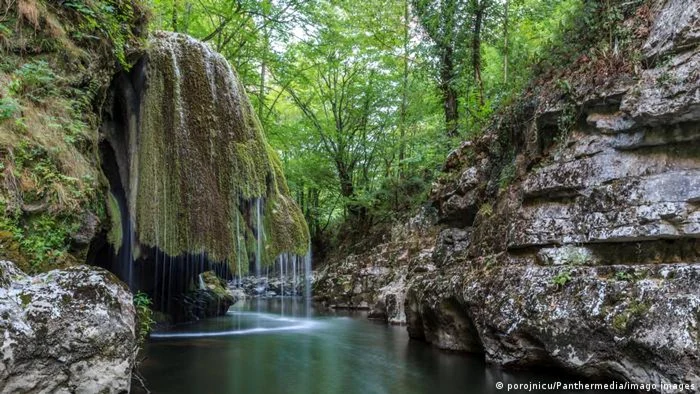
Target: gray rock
pixel 667 94
pixel 637 324
pixel 88 229
pixel 65 331
pixel 376 279
pixel 676 27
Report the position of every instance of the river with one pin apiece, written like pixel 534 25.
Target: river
pixel 275 346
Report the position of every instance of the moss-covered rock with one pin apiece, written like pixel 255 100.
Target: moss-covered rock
pixel 199 164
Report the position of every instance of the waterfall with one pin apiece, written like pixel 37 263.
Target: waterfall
pixel 196 186
pixel 281 260
pixel 258 234
pixel 238 248
pixel 307 281
pixel 294 274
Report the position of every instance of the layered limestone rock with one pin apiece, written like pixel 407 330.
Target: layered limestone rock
pixel 375 280
pixel 65 331
pixel 580 250
pixel 588 259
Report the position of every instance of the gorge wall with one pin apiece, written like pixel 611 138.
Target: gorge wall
pixel 140 155
pixel 579 249
pixel 136 153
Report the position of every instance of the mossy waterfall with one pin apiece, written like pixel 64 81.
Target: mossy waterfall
pixel 194 184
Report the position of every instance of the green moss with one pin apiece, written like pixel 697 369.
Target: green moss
pixel 56 59
pixel 114 236
pixel 486 210
pixel 26 299
pixel 635 310
pixel 203 163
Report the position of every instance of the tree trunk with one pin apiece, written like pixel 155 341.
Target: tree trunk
pixel 449 94
pixel 476 47
pixel 261 93
pixel 404 92
pixel 174 19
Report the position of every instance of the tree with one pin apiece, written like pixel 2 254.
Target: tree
pixel 442 21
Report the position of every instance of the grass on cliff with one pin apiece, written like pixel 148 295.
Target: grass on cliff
pixel 600 42
pixel 55 58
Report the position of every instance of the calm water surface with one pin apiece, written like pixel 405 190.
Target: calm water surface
pixel 270 346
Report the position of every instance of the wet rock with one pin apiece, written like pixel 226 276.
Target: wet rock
pixel 376 279
pixel 637 324
pixel 88 229
pixel 65 331
pixel 212 298
pixel 262 286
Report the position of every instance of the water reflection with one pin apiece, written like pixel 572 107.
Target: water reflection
pixel 271 346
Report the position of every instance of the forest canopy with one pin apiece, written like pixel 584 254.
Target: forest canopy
pixel 363 100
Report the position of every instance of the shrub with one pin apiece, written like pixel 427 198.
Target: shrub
pixel 562 278
pixel 144 316
pixel 9 107
pixel 34 80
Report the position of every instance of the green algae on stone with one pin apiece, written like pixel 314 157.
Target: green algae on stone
pixel 114 236
pixel 200 162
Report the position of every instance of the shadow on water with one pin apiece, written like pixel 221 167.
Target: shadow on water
pixel 270 346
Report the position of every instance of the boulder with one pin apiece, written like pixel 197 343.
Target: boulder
pixel 65 331
pixel 210 299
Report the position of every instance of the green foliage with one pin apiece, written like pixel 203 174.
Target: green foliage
pixel 42 239
pixel 116 20
pixel 562 278
pixel 144 316
pixel 9 108
pixel 623 276
pixel 34 80
pixel 486 210
pixel 628 277
pixel 625 320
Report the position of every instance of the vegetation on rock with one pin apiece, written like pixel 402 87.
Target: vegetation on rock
pixel 57 59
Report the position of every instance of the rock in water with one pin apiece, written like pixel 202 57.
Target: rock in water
pixel 65 331
pixel 212 298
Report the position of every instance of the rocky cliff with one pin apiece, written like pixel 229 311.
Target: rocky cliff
pixel 567 235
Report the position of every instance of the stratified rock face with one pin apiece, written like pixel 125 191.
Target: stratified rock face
pixel 590 259
pixel 585 255
pixel 65 331
pixel 376 280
